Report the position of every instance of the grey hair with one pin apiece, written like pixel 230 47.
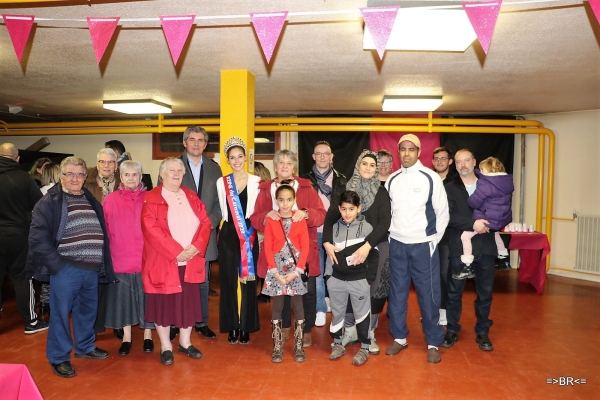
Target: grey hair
pixel 288 154
pixel 130 164
pixel 74 161
pixel 195 129
pixel 163 164
pixel 106 150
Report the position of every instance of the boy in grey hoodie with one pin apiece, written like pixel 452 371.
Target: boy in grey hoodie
pixel 346 280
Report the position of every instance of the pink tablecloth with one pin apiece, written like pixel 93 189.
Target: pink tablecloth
pixel 533 249
pixel 16 383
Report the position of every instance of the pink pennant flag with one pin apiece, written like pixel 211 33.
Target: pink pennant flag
pixel 483 17
pixel 176 29
pixel 268 26
pixel 101 30
pixel 19 28
pixel 380 21
pixel 595 4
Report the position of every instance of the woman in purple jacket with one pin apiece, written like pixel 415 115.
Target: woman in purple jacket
pixel 491 201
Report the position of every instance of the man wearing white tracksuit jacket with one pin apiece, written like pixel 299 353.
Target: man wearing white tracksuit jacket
pixel 419 218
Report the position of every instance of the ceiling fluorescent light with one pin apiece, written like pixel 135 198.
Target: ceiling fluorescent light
pixel 418 29
pixel 411 103
pixel 137 106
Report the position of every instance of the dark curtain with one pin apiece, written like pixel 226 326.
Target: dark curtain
pixel 483 145
pixel 28 158
pixel 346 147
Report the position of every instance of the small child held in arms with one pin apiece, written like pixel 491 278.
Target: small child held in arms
pixel 286 247
pixel 491 201
pixel 345 279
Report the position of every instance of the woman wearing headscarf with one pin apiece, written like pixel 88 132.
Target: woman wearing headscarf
pixel 375 206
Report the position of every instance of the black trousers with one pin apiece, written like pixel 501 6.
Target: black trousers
pixel 309 301
pixel 14 246
pixel 444 249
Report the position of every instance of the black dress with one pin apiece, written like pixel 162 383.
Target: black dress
pixel 229 265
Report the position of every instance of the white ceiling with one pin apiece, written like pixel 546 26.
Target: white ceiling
pixel 544 57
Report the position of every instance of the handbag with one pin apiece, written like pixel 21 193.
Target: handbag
pixel 304 275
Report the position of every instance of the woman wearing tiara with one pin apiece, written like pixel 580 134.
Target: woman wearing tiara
pixel 238 247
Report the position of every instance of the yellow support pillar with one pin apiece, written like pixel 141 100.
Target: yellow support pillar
pixel 237 113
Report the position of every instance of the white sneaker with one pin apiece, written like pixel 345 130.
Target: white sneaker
pixel 328 304
pixel 321 319
pixel 373 347
pixel 443 320
pixel 350 336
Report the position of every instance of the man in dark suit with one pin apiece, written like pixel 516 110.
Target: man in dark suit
pixel 201 174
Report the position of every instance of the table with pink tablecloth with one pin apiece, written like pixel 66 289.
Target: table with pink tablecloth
pixel 16 383
pixel 533 249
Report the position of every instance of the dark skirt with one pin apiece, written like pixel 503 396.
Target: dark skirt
pixel 126 303
pixel 182 309
pixel 230 318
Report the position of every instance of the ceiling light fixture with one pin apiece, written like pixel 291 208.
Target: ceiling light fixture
pixel 137 106
pixel 418 29
pixel 411 103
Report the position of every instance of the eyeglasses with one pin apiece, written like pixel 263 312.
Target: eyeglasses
pixel 71 175
pixel 105 162
pixel 322 154
pixel 385 162
pixel 440 158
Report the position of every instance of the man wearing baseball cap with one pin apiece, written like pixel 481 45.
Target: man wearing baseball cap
pixel 419 219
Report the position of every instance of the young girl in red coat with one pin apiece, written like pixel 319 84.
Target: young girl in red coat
pixel 286 247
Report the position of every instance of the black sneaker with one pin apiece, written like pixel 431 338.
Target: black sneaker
pixel 449 340
pixel 465 273
pixel 503 265
pixel 484 343
pixel 36 327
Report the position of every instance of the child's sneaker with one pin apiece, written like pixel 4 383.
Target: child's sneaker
pixel 337 351
pixel 361 357
pixel 373 347
pixel 350 336
pixel 464 273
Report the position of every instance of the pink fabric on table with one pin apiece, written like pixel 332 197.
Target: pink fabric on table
pixel 533 250
pixel 17 384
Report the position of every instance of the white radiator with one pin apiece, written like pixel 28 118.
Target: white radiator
pixel 588 243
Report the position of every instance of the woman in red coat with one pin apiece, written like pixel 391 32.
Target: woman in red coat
pixel 176 231
pixel 308 206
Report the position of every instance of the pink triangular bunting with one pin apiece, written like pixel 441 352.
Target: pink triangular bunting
pixel 268 26
pixel 19 28
pixel 595 4
pixel 380 21
pixel 483 17
pixel 101 31
pixel 176 29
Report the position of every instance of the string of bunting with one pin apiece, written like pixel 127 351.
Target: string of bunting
pixel 267 25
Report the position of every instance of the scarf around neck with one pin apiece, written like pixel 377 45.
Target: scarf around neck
pixel 366 188
pixel 322 179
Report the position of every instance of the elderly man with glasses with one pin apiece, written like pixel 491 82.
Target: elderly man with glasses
pixel 69 247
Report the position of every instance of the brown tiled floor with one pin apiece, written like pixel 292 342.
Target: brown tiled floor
pixel 535 338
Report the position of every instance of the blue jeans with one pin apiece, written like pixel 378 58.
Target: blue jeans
pixel 321 305
pixel 204 287
pixel 484 285
pixel 419 262
pixel 73 290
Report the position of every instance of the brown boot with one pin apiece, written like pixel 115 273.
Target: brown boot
pixel 307 340
pixel 286 333
pixel 299 355
pixel 277 355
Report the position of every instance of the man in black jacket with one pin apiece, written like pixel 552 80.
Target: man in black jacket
pixel 18 195
pixel 329 184
pixel 484 249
